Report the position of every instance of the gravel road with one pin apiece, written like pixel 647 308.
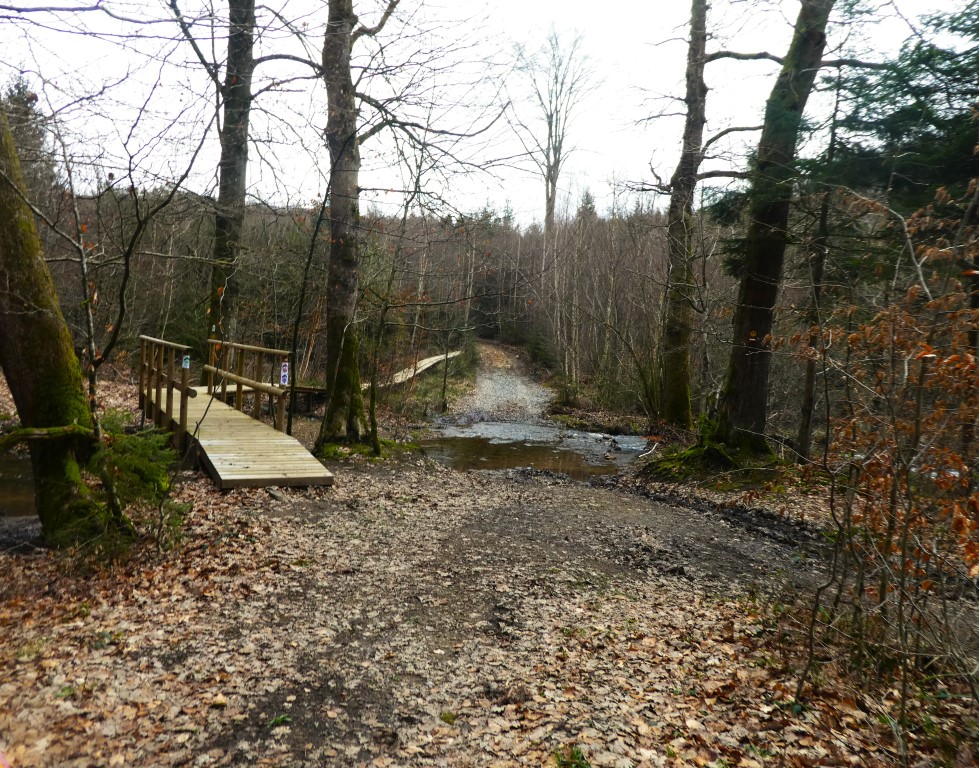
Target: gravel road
pixel 504 390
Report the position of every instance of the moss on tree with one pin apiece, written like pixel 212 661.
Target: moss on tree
pixel 38 360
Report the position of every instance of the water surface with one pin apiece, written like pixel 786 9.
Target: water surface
pixel 16 486
pixel 542 446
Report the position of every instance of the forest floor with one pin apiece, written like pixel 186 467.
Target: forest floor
pixel 414 615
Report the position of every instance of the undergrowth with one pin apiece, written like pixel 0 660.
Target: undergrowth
pixel 346 451
pixel 424 396
pixel 717 467
pixel 570 757
pixel 928 704
pixel 131 476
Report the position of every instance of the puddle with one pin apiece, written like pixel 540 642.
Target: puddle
pixel 16 487
pixel 508 445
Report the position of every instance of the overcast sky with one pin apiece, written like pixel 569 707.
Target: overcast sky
pixel 636 51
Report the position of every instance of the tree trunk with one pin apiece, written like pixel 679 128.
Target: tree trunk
pixel 744 401
pixel 673 353
pixel 345 404
pixel 232 169
pixel 549 258
pixel 817 263
pixel 39 363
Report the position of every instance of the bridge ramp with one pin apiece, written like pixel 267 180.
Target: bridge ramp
pixel 239 451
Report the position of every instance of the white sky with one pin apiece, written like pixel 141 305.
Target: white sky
pixel 635 48
pixel 638 50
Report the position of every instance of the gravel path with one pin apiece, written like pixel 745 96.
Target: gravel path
pixel 504 390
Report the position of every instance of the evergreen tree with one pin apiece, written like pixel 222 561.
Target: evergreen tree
pixel 30 130
pixel 911 128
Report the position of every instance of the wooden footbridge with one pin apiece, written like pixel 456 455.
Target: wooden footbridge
pixel 236 449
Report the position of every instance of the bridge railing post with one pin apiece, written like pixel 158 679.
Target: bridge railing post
pixel 280 360
pixel 257 376
pixel 276 391
pixel 158 369
pixel 142 373
pixel 212 363
pixel 171 372
pixel 223 365
pixel 239 387
pixel 184 394
pixel 158 385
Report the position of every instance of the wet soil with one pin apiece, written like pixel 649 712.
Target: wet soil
pixel 424 575
pixel 443 570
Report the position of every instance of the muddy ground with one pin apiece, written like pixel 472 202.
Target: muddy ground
pixel 414 615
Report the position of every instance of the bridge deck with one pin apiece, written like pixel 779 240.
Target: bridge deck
pixel 239 451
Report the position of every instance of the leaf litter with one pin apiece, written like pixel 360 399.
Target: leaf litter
pixel 413 615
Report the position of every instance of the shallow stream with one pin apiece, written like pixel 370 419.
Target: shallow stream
pixel 541 446
pixel 500 426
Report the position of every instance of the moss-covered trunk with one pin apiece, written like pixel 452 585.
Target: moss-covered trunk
pixel 345 404
pixel 39 362
pixel 743 409
pixel 343 420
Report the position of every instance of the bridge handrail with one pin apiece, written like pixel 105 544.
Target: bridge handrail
pixel 249 347
pixel 157 369
pixel 232 368
pixel 261 386
pixel 165 343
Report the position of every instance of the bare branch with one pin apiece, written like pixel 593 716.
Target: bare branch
pixel 660 186
pixel 362 31
pixel 760 56
pixel 765 56
pixel 856 63
pixel 392 120
pixel 209 67
pixel 43 433
pixel 97 6
pixel 317 68
pixel 720 135
pixel 54 8
pixel 723 175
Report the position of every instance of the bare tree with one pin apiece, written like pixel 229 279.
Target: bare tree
pixel 673 352
pixel 236 94
pixel 345 404
pixel 559 77
pixel 358 112
pixel 743 405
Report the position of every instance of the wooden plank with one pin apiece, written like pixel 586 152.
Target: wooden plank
pixel 409 373
pixel 245 472
pixel 238 451
pixel 240 463
pixel 297 482
pixel 262 461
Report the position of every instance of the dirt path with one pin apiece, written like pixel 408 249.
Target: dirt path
pixel 413 615
pixel 410 616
